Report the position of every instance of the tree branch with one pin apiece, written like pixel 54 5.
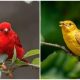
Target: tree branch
pixel 55 45
pixel 33 65
pixel 17 66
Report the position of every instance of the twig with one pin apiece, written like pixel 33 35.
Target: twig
pixel 55 45
pixel 17 66
pixel 33 65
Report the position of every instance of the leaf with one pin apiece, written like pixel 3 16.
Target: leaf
pixel 36 61
pixel 52 74
pixel 18 62
pixel 14 56
pixel 70 63
pixel 31 53
pixel 60 65
pixel 47 63
pixel 75 73
pixel 3 58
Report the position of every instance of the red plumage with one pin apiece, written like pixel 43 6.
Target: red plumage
pixel 9 39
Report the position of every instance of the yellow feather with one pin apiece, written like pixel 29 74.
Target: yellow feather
pixel 70 35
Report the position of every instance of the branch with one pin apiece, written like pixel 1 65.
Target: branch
pixel 55 45
pixel 17 66
pixel 33 65
pixel 11 69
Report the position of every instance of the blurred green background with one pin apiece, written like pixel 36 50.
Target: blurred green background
pixel 55 62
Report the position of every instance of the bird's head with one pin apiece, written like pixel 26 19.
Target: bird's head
pixel 5 27
pixel 67 25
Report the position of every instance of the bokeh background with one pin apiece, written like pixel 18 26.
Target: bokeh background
pixel 56 63
pixel 24 17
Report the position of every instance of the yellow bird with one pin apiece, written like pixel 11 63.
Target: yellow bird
pixel 71 36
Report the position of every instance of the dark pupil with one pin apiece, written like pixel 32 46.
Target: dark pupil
pixel 70 24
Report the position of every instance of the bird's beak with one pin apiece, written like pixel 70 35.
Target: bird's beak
pixel 6 30
pixel 61 23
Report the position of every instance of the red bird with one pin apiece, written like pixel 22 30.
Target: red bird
pixel 9 39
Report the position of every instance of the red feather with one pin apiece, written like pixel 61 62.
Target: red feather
pixel 9 39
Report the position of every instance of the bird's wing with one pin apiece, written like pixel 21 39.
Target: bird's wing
pixel 77 36
pixel 19 48
pixel 17 41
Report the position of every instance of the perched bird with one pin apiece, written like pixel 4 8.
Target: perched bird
pixel 71 36
pixel 9 39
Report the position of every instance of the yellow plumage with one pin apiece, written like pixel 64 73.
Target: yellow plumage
pixel 71 36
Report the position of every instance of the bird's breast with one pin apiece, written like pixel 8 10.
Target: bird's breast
pixel 3 41
pixel 71 42
pixel 6 43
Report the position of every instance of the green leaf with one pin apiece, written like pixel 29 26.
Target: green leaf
pixel 70 63
pixel 52 74
pixel 31 53
pixel 60 65
pixel 14 56
pixel 47 63
pixel 3 58
pixel 18 62
pixel 36 61
pixel 75 72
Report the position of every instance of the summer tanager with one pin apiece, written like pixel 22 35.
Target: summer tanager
pixel 9 39
pixel 71 35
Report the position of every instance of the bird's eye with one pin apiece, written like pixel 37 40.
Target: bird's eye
pixel 70 24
